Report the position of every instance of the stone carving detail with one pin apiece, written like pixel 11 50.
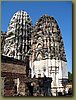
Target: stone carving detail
pixel 47 38
pixel 18 39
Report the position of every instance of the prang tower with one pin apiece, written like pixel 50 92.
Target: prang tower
pixel 48 55
pixel 18 37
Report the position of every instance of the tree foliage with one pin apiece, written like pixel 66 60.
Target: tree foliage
pixel 69 76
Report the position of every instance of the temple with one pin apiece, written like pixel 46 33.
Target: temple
pixel 48 55
pixel 41 48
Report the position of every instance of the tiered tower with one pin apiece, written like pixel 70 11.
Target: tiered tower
pixel 45 45
pixel 18 38
pixel 48 54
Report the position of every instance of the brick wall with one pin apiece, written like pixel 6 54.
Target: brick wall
pixel 11 69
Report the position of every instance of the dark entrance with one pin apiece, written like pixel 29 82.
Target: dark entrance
pixel 39 87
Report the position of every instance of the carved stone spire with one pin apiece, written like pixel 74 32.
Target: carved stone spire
pixel 47 39
pixel 18 35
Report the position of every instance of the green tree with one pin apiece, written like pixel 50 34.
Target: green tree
pixel 69 76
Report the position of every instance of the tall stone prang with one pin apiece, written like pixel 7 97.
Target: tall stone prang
pixel 18 38
pixel 48 55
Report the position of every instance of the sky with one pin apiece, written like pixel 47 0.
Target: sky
pixel 61 11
